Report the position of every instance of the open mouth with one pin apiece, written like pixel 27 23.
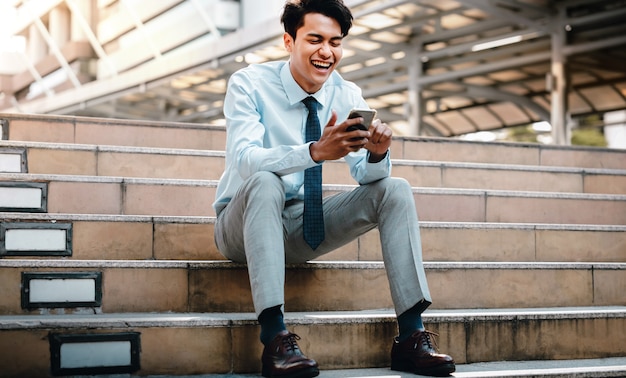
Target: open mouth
pixel 321 65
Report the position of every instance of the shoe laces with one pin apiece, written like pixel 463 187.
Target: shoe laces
pixel 426 338
pixel 290 342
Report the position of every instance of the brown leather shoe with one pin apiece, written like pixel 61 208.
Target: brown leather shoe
pixel 418 355
pixel 283 358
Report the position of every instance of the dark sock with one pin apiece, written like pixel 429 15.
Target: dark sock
pixel 271 321
pixel 409 322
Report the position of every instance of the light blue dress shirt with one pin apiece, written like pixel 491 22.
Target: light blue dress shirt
pixel 265 127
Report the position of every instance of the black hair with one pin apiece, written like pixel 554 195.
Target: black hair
pixel 295 10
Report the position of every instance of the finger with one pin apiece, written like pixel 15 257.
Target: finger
pixel 357 144
pixel 376 134
pixel 333 119
pixel 382 133
pixel 353 121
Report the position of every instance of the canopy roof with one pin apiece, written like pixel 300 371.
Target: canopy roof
pixel 441 68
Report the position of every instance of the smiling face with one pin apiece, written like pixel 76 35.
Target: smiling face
pixel 315 52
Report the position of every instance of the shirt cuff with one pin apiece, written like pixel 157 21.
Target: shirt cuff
pixel 381 160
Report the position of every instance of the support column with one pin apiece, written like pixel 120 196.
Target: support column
pixel 415 102
pixel 87 9
pixel 615 129
pixel 558 83
pixel 59 25
pixel 37 47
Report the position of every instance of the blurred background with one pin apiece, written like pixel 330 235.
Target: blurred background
pixel 515 70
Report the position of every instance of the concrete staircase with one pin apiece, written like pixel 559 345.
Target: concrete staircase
pixel 108 266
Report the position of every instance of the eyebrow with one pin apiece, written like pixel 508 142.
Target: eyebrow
pixel 319 36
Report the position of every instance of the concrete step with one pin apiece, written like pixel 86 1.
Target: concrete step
pixel 136 196
pixel 93 160
pixel 128 237
pixel 33 285
pixel 225 343
pixel 582 368
pixel 127 207
pixel 100 131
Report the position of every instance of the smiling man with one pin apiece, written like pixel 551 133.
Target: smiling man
pixel 269 204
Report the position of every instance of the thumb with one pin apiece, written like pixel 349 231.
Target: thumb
pixel 333 119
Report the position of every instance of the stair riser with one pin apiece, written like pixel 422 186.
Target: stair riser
pixel 492 179
pixel 115 132
pixel 195 350
pixel 551 210
pixel 228 290
pixel 163 350
pixel 450 289
pixel 503 153
pixel 522 245
pixel 187 200
pixel 513 209
pixel 544 340
pixel 119 164
pixel 118 240
pixel 119 198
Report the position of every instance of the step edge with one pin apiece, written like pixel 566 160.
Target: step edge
pixel 582 368
pixel 508 167
pixel 303 318
pixel 110 148
pixel 26 177
pixel 221 153
pixel 315 265
pixel 69 217
pixel 523 145
pixel 5 177
pixel 108 121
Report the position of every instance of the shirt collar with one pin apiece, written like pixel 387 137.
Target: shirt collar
pixel 294 92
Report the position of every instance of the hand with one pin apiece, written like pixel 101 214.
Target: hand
pixel 336 142
pixel 379 141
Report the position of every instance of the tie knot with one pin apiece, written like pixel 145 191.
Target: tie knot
pixel 310 103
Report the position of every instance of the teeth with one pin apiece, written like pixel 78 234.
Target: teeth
pixel 321 64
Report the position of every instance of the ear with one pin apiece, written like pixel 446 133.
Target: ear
pixel 288 42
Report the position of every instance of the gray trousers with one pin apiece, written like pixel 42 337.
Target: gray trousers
pixel 258 228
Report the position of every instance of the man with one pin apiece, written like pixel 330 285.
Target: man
pixel 262 218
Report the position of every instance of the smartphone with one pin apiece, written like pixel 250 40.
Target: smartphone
pixel 367 115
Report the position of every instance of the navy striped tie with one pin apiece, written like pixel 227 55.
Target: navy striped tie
pixel 313 226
